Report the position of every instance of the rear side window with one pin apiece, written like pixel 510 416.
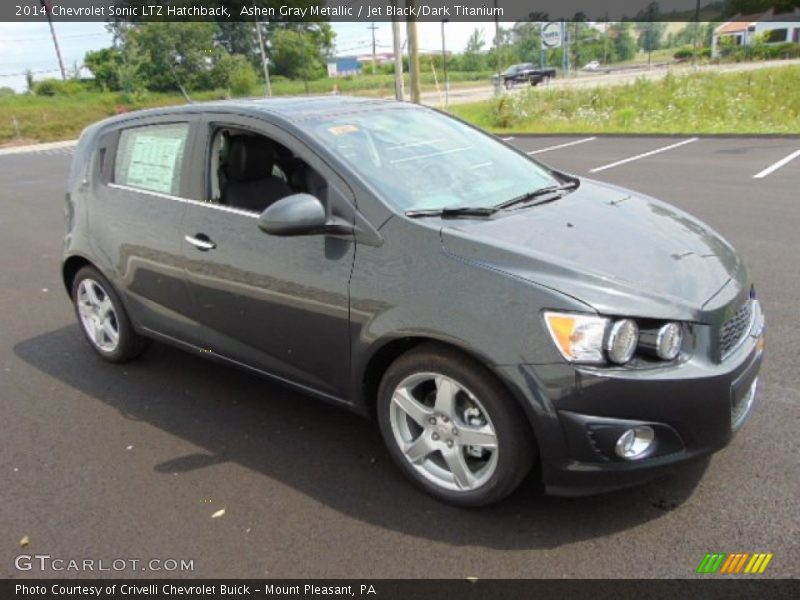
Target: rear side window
pixel 151 157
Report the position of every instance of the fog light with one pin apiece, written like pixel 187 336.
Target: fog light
pixel 635 443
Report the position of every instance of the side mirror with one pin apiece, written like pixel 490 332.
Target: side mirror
pixel 298 214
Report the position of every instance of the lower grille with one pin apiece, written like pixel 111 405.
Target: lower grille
pixel 735 328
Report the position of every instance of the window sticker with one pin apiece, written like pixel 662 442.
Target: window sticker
pixel 150 158
pixel 341 129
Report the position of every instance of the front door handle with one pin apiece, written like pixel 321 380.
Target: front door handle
pixel 201 242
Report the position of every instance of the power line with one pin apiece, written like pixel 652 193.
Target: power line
pixel 23 73
pixel 63 37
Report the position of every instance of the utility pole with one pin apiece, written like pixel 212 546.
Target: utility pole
pixel 496 37
pixel 444 65
pixel 696 31
pixel 264 65
pixel 55 40
pixel 413 54
pixel 373 27
pixel 398 56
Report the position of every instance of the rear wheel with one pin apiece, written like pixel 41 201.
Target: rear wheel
pixel 453 428
pixel 103 319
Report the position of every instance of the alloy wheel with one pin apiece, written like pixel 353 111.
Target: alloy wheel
pixel 444 431
pixel 98 316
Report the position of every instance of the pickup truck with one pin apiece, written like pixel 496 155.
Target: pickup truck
pixel 523 73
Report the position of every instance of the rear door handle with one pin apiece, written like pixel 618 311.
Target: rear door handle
pixel 201 242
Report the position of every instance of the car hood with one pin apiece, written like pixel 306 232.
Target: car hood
pixel 618 251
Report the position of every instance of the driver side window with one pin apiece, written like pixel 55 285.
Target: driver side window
pixel 250 171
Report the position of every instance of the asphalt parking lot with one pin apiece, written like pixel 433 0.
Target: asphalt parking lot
pixel 106 462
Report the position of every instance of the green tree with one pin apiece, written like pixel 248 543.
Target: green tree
pixel 624 47
pixel 130 70
pixel 239 38
pixel 234 73
pixel 650 29
pixel 472 59
pixel 104 65
pixel 750 7
pixel 295 55
pixel 526 40
pixel 176 55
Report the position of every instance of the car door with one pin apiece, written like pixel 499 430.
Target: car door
pixel 279 304
pixel 136 215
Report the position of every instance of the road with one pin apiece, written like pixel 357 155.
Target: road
pixel 108 462
pixel 621 76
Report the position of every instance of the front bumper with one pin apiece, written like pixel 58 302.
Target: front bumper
pixel 579 412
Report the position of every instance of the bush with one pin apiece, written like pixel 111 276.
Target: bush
pixel 7 91
pixel 508 111
pixel 58 87
pixel 686 53
pixel 761 52
pixel 234 73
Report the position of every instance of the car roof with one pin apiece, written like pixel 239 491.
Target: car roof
pixel 292 109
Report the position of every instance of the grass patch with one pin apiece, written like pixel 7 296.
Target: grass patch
pixel 763 101
pixel 27 119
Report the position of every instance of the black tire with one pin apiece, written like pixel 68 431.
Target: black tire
pixel 130 344
pixel 515 444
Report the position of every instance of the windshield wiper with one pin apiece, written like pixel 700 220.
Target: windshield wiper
pixel 557 190
pixel 453 211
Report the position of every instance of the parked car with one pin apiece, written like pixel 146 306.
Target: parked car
pixel 490 312
pixel 523 73
pixel 592 66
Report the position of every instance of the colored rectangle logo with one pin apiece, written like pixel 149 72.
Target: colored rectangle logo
pixel 735 563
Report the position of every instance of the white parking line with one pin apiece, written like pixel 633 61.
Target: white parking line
pixel 567 145
pixel 507 139
pixel 644 155
pixel 775 166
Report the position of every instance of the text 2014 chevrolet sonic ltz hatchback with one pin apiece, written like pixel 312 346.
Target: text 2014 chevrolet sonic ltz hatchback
pixel 491 312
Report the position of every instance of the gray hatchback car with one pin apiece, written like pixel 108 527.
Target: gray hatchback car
pixel 493 314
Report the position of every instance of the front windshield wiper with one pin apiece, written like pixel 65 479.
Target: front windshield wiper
pixel 545 191
pixel 453 211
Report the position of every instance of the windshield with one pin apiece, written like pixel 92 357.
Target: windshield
pixel 421 160
pixel 514 68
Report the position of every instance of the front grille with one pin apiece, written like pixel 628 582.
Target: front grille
pixel 735 328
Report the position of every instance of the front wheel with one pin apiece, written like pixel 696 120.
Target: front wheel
pixel 453 428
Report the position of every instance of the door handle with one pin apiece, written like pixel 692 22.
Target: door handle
pixel 201 242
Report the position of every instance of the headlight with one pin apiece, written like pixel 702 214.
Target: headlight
pixel 595 340
pixel 579 338
pixel 622 340
pixel 668 341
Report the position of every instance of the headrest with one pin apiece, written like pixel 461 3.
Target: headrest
pixel 250 158
pixel 304 177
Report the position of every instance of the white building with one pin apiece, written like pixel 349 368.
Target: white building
pixel 772 28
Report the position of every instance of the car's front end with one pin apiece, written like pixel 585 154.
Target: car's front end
pixel 612 426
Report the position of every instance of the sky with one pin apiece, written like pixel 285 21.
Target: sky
pixel 29 45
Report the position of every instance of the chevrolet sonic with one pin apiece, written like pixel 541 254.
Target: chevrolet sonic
pixel 491 313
